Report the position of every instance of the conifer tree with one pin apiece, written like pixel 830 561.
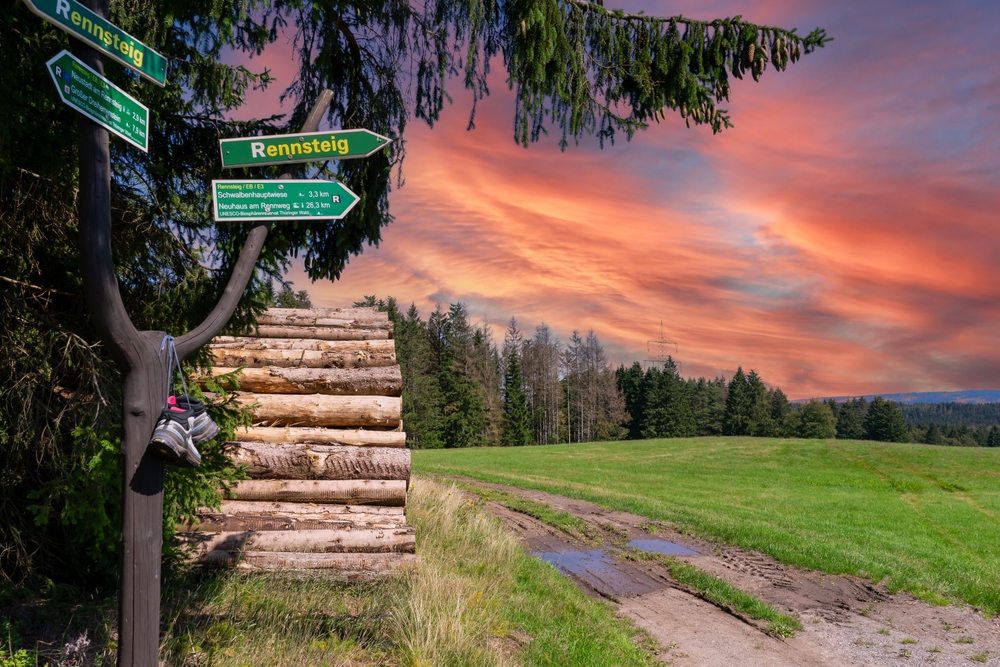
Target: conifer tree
pixel 463 420
pixel 737 417
pixel 631 384
pixel 884 422
pixel 516 417
pixel 759 408
pixel 993 440
pixel 934 436
pixel 851 419
pixel 668 409
pixel 708 405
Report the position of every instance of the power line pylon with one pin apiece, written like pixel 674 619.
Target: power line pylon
pixel 661 344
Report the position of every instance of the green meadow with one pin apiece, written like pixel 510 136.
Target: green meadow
pixel 919 518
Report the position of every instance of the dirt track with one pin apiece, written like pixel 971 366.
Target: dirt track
pixel 848 621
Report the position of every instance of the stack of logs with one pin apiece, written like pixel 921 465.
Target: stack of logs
pixel 326 456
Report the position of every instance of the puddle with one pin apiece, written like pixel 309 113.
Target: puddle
pixel 662 547
pixel 600 572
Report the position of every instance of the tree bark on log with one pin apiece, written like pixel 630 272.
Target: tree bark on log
pixel 326 333
pixel 311 510
pixel 228 523
pixel 273 461
pixel 324 317
pixel 320 410
pixel 322 436
pixel 341 566
pixel 348 492
pixel 373 381
pixel 293 353
pixel 349 540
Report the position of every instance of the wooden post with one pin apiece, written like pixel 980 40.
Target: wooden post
pixel 144 375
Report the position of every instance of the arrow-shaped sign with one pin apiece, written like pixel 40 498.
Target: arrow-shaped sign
pixel 109 39
pixel 306 147
pixel 281 200
pixel 100 100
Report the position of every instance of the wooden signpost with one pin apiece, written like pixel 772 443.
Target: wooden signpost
pixel 104 107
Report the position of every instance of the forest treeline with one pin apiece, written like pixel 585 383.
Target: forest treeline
pixel 464 388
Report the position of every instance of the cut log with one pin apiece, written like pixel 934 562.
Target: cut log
pixel 322 436
pixel 321 410
pixel 229 523
pixel 372 381
pixel 323 317
pixel 266 460
pixel 348 540
pixel 326 333
pixel 346 566
pixel 291 353
pixel 313 344
pixel 354 492
pixel 322 511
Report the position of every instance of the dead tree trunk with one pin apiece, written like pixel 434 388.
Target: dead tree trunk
pixel 144 376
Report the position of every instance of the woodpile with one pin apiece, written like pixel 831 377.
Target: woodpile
pixel 326 456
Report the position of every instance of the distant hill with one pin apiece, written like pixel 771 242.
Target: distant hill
pixel 971 396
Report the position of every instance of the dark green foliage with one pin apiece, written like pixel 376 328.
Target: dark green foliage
pixel 971 414
pixel 289 298
pixel 631 383
pixel 884 422
pixel 934 436
pixel 815 420
pixel 708 404
pixel 993 440
pixel 851 419
pixel 780 407
pixel 516 417
pixel 737 417
pixel 759 404
pixel 668 408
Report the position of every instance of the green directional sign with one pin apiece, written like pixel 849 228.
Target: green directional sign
pixel 281 200
pixel 84 24
pixel 306 147
pixel 100 100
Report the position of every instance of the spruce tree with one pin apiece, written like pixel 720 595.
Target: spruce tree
pixel 668 410
pixel 631 383
pixel 761 423
pixel 516 416
pixel 737 417
pixel 993 440
pixel 708 405
pixel 780 407
pixel 851 419
pixel 934 436
pixel 884 422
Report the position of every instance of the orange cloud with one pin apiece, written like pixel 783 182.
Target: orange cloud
pixel 841 239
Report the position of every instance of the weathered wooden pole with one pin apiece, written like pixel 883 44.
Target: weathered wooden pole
pixel 144 376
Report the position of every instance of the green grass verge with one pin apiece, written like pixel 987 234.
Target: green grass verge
pixel 474 600
pixel 920 518
pixel 725 594
pixel 564 521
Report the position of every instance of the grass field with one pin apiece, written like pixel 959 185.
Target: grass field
pixel 920 518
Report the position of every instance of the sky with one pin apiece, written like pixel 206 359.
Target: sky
pixel 842 239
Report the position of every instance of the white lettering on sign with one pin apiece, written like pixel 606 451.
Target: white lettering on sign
pixel 336 199
pixel 62 7
pixel 257 149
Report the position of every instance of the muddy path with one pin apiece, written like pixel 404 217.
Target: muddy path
pixel 847 620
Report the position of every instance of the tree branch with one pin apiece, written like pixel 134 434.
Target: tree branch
pixel 244 268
